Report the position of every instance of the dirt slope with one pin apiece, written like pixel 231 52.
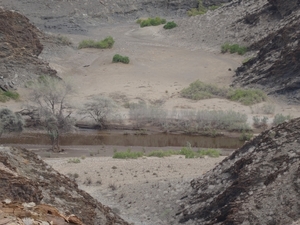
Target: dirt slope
pixel 257 184
pixel 25 178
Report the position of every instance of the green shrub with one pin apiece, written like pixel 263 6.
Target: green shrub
pixel 161 153
pixel 197 11
pixel 209 152
pixel 245 136
pixel 170 25
pixel 279 118
pixel 199 90
pixel 7 95
pixel 247 96
pixel 234 48
pixel 187 152
pixel 75 160
pixel 127 155
pixel 151 22
pixel 108 42
pixel 64 40
pixel 119 58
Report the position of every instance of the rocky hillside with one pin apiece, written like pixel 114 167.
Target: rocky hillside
pixel 276 67
pixel 257 184
pixel 268 28
pixel 74 16
pixel 31 188
pixel 19 50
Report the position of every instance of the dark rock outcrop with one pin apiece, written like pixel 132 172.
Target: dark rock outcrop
pixel 215 2
pixel 24 177
pixel 276 66
pixel 285 7
pixel 19 50
pixel 257 184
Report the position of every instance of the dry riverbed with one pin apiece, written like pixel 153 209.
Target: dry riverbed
pixel 145 191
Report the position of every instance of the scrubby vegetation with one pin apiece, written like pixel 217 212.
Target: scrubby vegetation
pixel 188 121
pixel 64 40
pixel 233 48
pixel 201 9
pixel 170 25
pixel 105 43
pixel 259 122
pixel 151 22
pixel 10 121
pixel 247 96
pixel 279 118
pixel 127 155
pixel 7 95
pixel 188 152
pixel 199 90
pixel 75 160
pixel 119 58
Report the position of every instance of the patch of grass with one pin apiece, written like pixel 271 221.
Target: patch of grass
pixel 188 153
pixel 247 96
pixel 161 153
pixel 127 155
pixel 151 22
pixel 7 95
pixel 233 48
pixel 214 7
pixel 119 58
pixel 170 25
pixel 279 118
pixel 75 160
pixel 198 11
pixel 209 152
pixel 201 9
pixel 64 40
pixel 199 90
pixel 108 42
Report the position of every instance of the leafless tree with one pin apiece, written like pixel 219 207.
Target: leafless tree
pixel 49 99
pixel 100 108
pixel 10 121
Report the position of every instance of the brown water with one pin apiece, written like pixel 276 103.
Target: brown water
pixel 121 139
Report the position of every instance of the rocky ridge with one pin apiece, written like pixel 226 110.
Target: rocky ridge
pixel 74 16
pixel 270 31
pixel 26 178
pixel 276 67
pixel 257 184
pixel 19 50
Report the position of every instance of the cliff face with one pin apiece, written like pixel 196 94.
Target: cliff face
pixel 19 50
pixel 276 67
pixel 25 178
pixel 257 184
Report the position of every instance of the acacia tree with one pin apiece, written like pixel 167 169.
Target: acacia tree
pixel 10 121
pixel 100 108
pixel 49 100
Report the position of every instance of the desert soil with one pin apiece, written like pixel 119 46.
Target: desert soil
pixel 143 191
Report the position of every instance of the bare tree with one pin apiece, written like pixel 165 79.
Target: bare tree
pixel 10 121
pixel 49 99
pixel 100 108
